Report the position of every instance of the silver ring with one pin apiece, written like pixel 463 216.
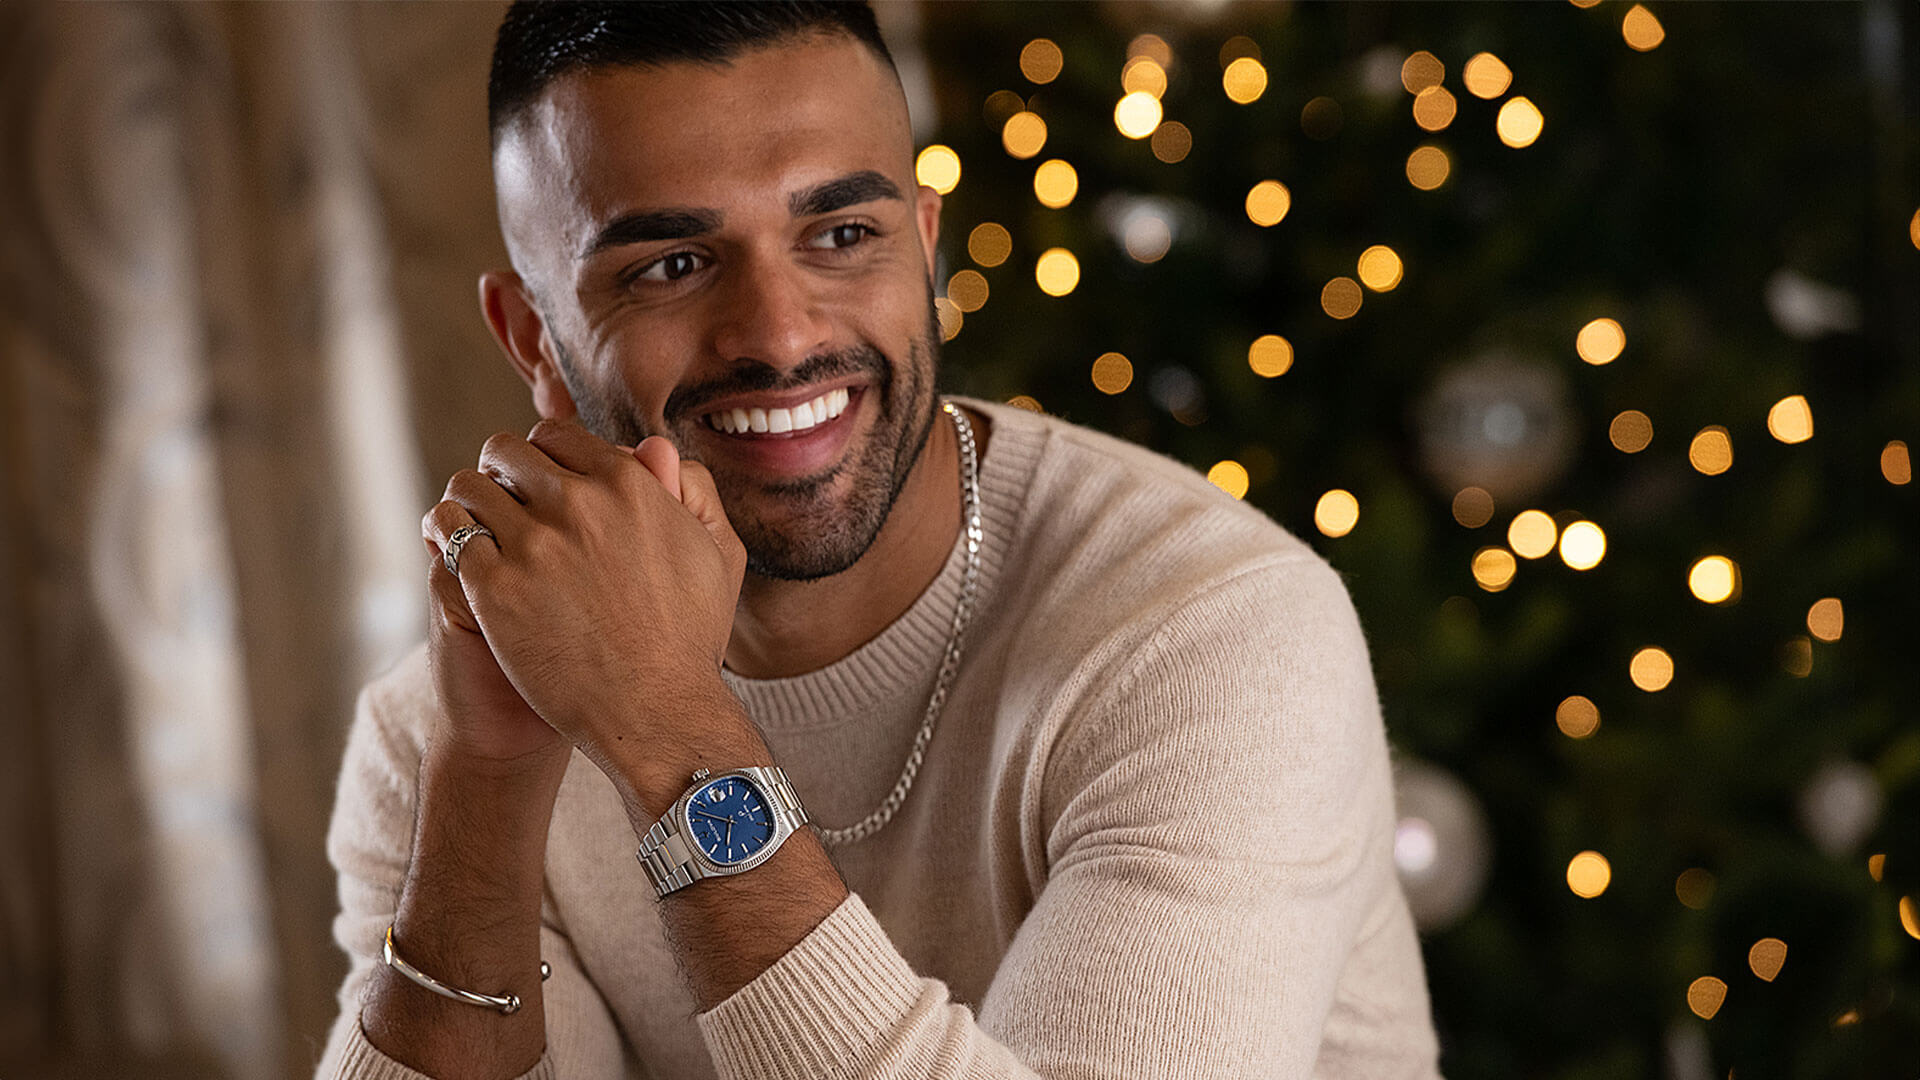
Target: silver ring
pixel 451 554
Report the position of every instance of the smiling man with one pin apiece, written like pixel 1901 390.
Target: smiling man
pixel 780 719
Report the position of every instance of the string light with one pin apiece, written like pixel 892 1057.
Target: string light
pixel 1112 373
pixel 1336 513
pixel 1583 3
pixel 1796 657
pixel 1434 108
pixel 1826 619
pixel 1642 31
pixel 1473 507
pixel 1910 917
pixel 1486 76
pixel 1651 669
pixel 1913 229
pixel 1577 717
pixel 1041 61
pixel 1631 431
pixel 1146 236
pixel 1239 47
pixel 1137 114
pixel 1519 122
pixel 1714 579
pixel 1023 134
pixel 1057 271
pixel 1428 167
pixel 1532 534
pixel 938 167
pixel 1589 874
pixel 1790 420
pixel 1600 342
pixel 1493 568
pixel 1022 401
pixel 1421 70
pixel 1896 464
pixel 1268 202
pixel 1143 74
pixel 949 318
pixel 1380 268
pixel 1694 887
pixel 989 244
pixel 1270 356
pixel 1582 545
pixel 1766 958
pixel 1002 104
pixel 1152 46
pixel 1055 183
pixel 968 290
pixel 1244 80
pixel 1711 451
pixel 1876 866
pixel 1231 477
pixel 1341 298
pixel 1705 996
pixel 1172 142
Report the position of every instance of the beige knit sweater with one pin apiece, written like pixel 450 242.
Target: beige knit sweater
pixel 1151 839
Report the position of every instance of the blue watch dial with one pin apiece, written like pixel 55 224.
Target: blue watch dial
pixel 730 820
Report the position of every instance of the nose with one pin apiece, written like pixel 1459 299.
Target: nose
pixel 769 313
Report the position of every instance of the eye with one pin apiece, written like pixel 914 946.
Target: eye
pixel 844 235
pixel 670 267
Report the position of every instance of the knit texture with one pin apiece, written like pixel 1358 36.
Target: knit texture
pixel 1152 836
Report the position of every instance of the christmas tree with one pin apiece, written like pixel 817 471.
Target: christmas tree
pixel 1582 339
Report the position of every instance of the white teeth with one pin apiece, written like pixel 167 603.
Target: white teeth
pixel 801 417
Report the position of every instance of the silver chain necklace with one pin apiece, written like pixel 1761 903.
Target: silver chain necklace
pixel 950 664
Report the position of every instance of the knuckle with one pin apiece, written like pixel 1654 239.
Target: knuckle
pixel 465 484
pixel 496 443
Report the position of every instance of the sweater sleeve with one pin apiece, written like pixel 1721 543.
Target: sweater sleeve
pixel 370 843
pixel 1220 898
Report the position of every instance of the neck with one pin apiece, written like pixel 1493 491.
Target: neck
pixel 786 628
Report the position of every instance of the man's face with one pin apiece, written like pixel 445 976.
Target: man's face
pixel 717 243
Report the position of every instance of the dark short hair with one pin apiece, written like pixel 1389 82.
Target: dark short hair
pixel 541 40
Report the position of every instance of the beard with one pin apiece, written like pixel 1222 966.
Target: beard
pixel 816 526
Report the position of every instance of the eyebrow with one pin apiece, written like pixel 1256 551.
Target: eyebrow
pixel 647 226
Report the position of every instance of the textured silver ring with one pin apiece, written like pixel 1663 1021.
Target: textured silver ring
pixel 451 554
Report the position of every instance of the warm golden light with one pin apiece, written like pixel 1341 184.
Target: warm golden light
pixel 1473 507
pixel 1519 122
pixel 1493 568
pixel 1913 229
pixel 1143 74
pixel 1239 47
pixel 1336 513
pixel 1172 142
pixel 1000 105
pixel 1711 451
pixel 1582 545
pixel 1380 268
pixel 1694 887
pixel 1584 3
pixel 1041 61
pixel 1146 237
pixel 1341 298
pixel 1896 464
pixel 1826 619
pixel 1057 271
pixel 1486 76
pixel 938 167
pixel 1876 866
pixel 1427 167
pixel 1790 420
pixel 1589 874
pixel 949 317
pixel 1532 534
pixel 1244 80
pixel 1152 46
pixel 1230 477
pixel 1137 115
pixel 968 290
pixel 1796 657
pixel 1577 717
pixel 989 244
pixel 1600 341
pixel 1023 134
pixel 1910 917
pixel 1631 431
pixel 1434 108
pixel 1270 356
pixel 1022 401
pixel 1642 31
pixel 1055 183
pixel 1651 669
pixel 1112 373
pixel 1705 996
pixel 1421 70
pixel 1766 958
pixel 1714 579
pixel 1268 202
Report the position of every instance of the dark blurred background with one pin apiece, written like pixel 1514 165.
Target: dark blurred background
pixel 1583 338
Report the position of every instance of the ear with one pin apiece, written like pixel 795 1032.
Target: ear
pixel 522 332
pixel 927 217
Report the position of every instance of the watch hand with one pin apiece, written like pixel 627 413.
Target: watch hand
pixel 711 817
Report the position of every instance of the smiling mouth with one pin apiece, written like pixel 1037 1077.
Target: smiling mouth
pixel 798 418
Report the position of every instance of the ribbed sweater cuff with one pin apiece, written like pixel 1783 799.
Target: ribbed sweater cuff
pixel 825 1004
pixel 361 1060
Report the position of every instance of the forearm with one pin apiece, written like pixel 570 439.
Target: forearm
pixel 469 915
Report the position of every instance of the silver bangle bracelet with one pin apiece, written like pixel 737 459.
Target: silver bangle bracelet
pixel 508 1004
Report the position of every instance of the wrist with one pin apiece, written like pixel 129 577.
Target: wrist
pixel 705 730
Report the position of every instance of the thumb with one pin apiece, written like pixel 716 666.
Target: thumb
pixel 699 495
pixel 662 460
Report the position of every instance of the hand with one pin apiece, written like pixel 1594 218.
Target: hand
pixel 610 594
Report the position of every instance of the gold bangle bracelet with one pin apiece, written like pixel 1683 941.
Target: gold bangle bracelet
pixel 508 1004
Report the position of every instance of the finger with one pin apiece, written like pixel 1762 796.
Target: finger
pixel 488 502
pixel 477 555
pixel 574 447
pixel 449 599
pixel 662 460
pixel 523 469
pixel 699 495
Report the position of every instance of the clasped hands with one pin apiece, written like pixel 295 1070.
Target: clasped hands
pixel 597 617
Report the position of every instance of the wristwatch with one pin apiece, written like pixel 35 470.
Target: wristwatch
pixel 725 824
